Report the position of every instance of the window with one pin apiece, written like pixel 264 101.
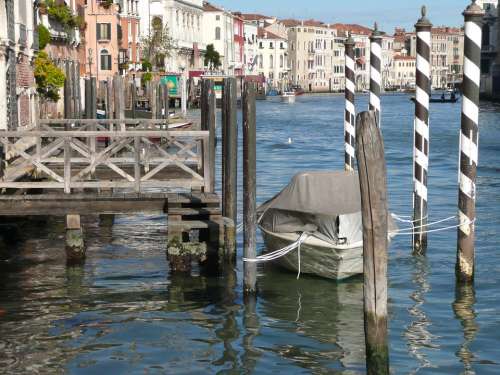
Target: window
pixel 105 60
pixel 217 33
pixel 281 61
pixel 271 61
pixel 271 45
pixel 103 31
pixel 261 62
pixel 217 17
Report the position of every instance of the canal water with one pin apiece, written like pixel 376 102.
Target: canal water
pixel 123 313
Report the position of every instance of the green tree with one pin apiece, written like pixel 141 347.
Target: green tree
pixel 48 77
pixel 43 36
pixel 158 44
pixel 212 57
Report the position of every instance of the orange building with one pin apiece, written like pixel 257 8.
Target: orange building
pixel 111 39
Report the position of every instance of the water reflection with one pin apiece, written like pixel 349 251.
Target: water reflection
pixel 417 332
pixel 316 310
pixel 463 308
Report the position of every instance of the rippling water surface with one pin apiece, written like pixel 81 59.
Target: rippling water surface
pixel 124 313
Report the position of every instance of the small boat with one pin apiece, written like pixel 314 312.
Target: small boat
pixel 288 97
pixel 272 92
pixel 298 90
pixel 326 207
pixel 442 99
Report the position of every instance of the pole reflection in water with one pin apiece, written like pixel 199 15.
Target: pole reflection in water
pixel 463 308
pixel 417 332
pixel 251 326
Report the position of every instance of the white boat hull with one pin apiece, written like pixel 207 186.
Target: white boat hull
pixel 317 257
pixel 288 98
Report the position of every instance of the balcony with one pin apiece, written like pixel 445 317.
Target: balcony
pixel 23 36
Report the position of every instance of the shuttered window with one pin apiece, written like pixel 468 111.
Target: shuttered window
pixel 105 60
pixel 103 31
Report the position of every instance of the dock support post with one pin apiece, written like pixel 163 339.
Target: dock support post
pixel 119 99
pixel 133 88
pixel 154 100
pixel 421 134
pixel 230 150
pixel 375 72
pixel 249 188
pixel 469 137
pixel 75 246
pixel 88 99
pixel 350 110
pixel 75 72
pixel 183 96
pixel 68 113
pixel 165 102
pixel 372 181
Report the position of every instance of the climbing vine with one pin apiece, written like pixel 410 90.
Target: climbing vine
pixel 48 77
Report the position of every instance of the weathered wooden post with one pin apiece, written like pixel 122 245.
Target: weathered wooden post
pixel 249 187
pixel 230 150
pixel 165 103
pixel 350 110
pixel 154 100
pixel 109 99
pixel 119 99
pixel 375 69
pixel 88 99
pixel 469 137
pixel 75 244
pixel 75 72
pixel 133 88
pixel 372 181
pixel 183 96
pixel 421 133
pixel 68 85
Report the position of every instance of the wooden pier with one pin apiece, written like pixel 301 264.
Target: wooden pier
pixel 77 167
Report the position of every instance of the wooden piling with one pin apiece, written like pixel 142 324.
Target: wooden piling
pixel 133 88
pixel 183 96
pixel 109 99
pixel 93 85
pixel 75 245
pixel 88 99
pixel 75 72
pixel 375 72
pixel 469 140
pixel 154 100
pixel 249 187
pixel 208 121
pixel 230 150
pixel 119 99
pixel 372 180
pixel 68 112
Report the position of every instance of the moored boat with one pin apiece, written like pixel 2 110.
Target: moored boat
pixel 323 211
pixel 288 97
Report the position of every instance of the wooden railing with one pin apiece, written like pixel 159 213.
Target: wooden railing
pixel 104 154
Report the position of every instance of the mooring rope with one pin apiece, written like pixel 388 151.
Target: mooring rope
pixel 281 253
pixel 411 233
pixel 401 218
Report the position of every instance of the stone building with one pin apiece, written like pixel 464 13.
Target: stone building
pixel 111 38
pixel 447 55
pixel 403 72
pixel 18 45
pixel 218 29
pixel 184 19
pixel 272 61
pixel 250 31
pixel 490 50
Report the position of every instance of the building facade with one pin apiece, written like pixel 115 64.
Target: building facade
pixel 111 39
pixel 272 61
pixel 184 19
pixel 403 72
pixel 18 45
pixel 490 50
pixel 219 30
pixel 250 31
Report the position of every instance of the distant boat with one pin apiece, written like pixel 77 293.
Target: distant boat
pixel 272 92
pixel 297 90
pixel 288 97
pixel 439 100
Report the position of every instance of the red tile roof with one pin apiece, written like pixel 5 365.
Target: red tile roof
pixel 253 16
pixel 353 28
pixel 264 34
pixel 402 57
pixel 207 7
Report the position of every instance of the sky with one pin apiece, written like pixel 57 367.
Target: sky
pixel 388 13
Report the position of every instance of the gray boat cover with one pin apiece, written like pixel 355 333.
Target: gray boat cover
pixel 327 204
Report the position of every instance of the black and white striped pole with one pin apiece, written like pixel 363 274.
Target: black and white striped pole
pixel 469 136
pixel 421 133
pixel 350 111
pixel 375 76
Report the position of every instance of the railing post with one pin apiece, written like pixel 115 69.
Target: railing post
pixel 137 164
pixel 67 165
pixel 207 168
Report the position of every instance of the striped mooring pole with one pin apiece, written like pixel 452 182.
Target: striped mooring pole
pixel 421 133
pixel 469 136
pixel 350 111
pixel 375 76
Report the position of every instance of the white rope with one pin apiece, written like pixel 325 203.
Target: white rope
pixel 398 233
pixel 400 218
pixel 280 252
pixel 427 224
